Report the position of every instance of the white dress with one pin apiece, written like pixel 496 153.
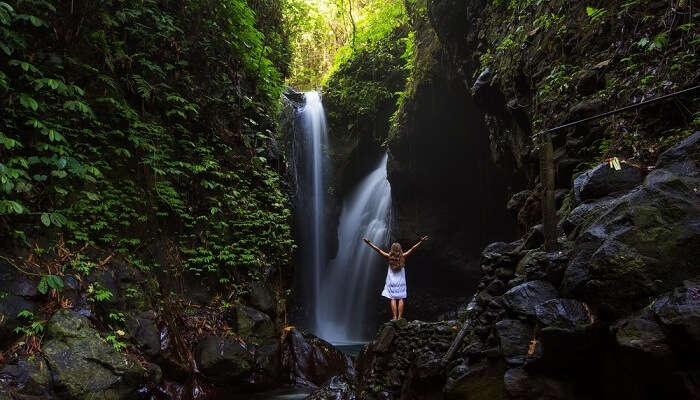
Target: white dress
pixel 395 286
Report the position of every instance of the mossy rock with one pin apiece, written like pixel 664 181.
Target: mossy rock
pixel 84 365
pixel 254 326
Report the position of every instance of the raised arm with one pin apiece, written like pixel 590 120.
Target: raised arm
pixel 377 249
pixel 415 246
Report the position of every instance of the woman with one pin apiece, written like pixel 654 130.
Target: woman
pixel 395 287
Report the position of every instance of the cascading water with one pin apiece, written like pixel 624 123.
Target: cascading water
pixel 348 279
pixel 337 291
pixel 311 194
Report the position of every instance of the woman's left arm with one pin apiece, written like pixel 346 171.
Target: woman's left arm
pixel 415 246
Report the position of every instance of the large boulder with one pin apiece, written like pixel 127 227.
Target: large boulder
pixel 604 180
pixel 515 337
pixel 525 297
pixel 644 242
pixel 223 360
pixel 310 360
pixel 255 327
pixel 564 314
pixel 83 365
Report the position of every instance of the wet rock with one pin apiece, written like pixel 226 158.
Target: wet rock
pixel 31 375
pixel 223 360
pixel 500 255
pixel 679 311
pixel 603 180
pixel 311 360
pixel 83 365
pixel 254 326
pixel 340 387
pixel 523 385
pixel 563 314
pixel 583 212
pixel 515 339
pixel 525 297
pixel 145 332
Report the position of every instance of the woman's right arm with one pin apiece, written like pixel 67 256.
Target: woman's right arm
pixel 377 249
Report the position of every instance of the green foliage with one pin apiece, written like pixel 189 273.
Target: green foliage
pixel 31 327
pixel 47 282
pixel 98 294
pixel 596 14
pixel 366 82
pixel 117 344
pixel 128 121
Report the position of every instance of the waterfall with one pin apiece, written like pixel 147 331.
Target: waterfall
pixel 337 292
pixel 311 196
pixel 346 290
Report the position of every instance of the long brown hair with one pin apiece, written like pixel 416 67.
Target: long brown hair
pixel 396 258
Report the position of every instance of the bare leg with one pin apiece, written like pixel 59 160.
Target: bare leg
pixel 393 307
pixel 400 307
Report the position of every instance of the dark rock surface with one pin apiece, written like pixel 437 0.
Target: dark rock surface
pixel 526 297
pixel 225 360
pixel 339 387
pixel 311 361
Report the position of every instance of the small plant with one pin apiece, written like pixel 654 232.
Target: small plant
pixel 117 317
pixel 32 327
pixel 98 294
pixel 47 282
pixel 596 14
pixel 117 344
